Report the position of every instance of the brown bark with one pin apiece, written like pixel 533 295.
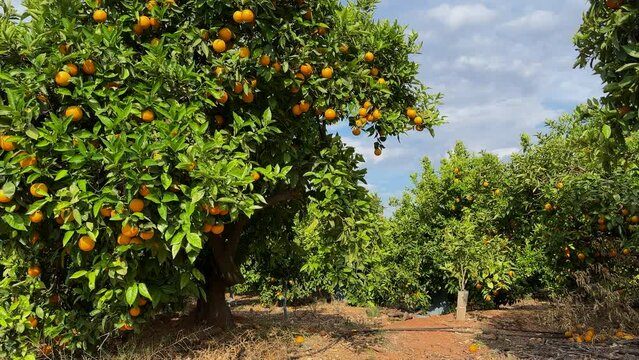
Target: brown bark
pixel 221 271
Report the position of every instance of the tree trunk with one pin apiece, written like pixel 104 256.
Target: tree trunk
pixel 462 302
pixel 215 311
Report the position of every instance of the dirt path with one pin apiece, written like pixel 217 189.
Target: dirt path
pixel 340 332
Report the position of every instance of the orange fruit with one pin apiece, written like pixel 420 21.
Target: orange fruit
pixel 54 299
pixel 225 34
pixel 581 256
pixel 138 29
pixel 148 115
pixel 215 210
pixel 136 241
pixel 357 131
pixel 306 69
pixel 62 78
pixel 219 45
pixel 144 22
pixel 36 217
pixel 473 348
pixel 418 120
pixel 144 190
pixel 142 301
pixel 245 52
pixel 123 239
pixel 255 175
pixel 136 205
pixel 374 71
pixel 100 16
pixel 327 72
pixel 411 113
pixel 38 190
pixel 147 235
pixel 548 207
pixel 34 271
pixel 377 114
pixel 277 67
pixel 35 237
pixel 248 98
pixel 130 230
pixel 5 144
pixel 64 48
pixel 33 322
pixel 295 89
pixel 105 211
pixel 378 151
pixel 74 112
pixel 381 81
pixel 206 228
pixel 247 16
pixel 135 311
pixel 238 87
pixel 86 243
pixel 612 253
pixel 27 161
pixel 223 98
pixel 559 185
pixel 205 35
pixel 217 229
pixel 88 67
pixel 224 212
pixel 237 16
pixel 614 4
pixel 296 110
pixel 369 57
pixel 72 69
pixel 330 114
pixel 155 22
pixel 626 251
pixel 308 15
pixel 219 120
pixel 126 327
pixel 299 339
pixel 634 219
pixel 265 60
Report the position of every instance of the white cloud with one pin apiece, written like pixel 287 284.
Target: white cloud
pixel 504 152
pixel 538 20
pixel 457 16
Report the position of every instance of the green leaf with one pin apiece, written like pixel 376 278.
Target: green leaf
pixel 195 240
pixel 15 221
pixel 142 289
pixel 131 294
pixel 78 274
pixel 606 131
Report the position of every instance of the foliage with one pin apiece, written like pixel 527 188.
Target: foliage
pixel 140 123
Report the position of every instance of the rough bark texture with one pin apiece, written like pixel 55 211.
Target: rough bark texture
pixel 462 301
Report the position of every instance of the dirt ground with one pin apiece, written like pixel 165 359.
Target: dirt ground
pixel 341 332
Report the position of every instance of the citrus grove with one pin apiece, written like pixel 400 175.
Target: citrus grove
pixel 145 144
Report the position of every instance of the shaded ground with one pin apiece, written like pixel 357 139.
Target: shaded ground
pixel 337 331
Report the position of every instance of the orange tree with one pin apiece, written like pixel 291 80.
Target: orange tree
pixel 144 142
pixel 607 41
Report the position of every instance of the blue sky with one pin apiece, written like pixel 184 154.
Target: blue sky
pixel 503 67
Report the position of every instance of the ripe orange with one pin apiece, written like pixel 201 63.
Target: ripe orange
pixel 247 16
pixel 74 112
pixel 144 22
pixel 308 15
pixel 144 190
pixel 206 228
pixel 5 144
pixel 54 299
pixel 381 81
pixel 473 348
pixel 142 301
pixel 255 175
pixel 35 237
pixel 88 67
pixel 248 98
pixel 245 52
pixel 64 48
pixel 296 110
pixel 34 271
pixel 277 67
pixel 155 22
pixel 225 34
pixel 418 120
pixel 72 69
pixel 299 339
pixel 36 217
pixel 130 230
pixel 136 241
pixel 147 235
pixel 237 16
pixel 581 256
pixel 136 205
pixel 478 286
pixel 238 87
pixel 38 190
pixel 330 114
pixel 265 60
pixel 356 131
pixel 126 327
pixel 100 16
pixel 306 69
pixel 215 210
pixel 295 89
pixel 138 29
pixel 327 72
pixel 219 45
pixel 614 4
pixel 224 211
pixel 105 211
pixel 86 243
pixel 374 71
pixel 62 78
pixel 612 253
pixel 123 239
pixel 28 160
pixel 369 57
pixel 305 106
pixel 217 229
pixel 223 98
pixel 33 322
pixel 377 114
pixel 135 311
pixel 634 219
pixel 548 207
pixel 626 251
pixel 378 151
pixel 148 115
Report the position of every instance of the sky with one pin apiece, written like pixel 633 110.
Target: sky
pixel 504 67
